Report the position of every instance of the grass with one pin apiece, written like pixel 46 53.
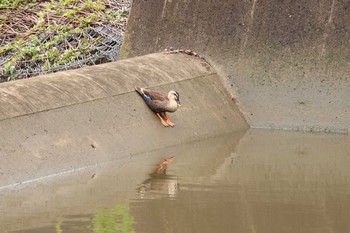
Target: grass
pixel 42 33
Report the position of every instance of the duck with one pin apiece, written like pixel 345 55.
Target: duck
pixel 161 103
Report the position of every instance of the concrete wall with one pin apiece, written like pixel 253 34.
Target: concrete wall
pixel 75 119
pixel 287 62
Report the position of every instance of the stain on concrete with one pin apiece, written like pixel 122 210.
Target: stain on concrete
pixel 272 52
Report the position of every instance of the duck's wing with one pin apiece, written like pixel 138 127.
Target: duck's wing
pixel 156 100
pixel 139 90
pixel 155 95
pixel 157 106
pixel 142 93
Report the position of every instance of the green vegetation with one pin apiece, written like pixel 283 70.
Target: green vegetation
pixel 12 4
pixel 116 220
pixel 48 34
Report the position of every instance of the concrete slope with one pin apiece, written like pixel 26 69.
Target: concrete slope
pixel 75 119
pixel 286 61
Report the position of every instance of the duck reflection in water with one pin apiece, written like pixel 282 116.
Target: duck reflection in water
pixel 160 183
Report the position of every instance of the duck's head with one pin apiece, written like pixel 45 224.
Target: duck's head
pixel 174 95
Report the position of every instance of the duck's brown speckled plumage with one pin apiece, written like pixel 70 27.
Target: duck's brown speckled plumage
pixel 160 103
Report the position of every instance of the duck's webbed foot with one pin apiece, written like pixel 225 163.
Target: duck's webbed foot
pixel 168 121
pixel 162 120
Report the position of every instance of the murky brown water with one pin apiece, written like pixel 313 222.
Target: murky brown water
pixel 263 181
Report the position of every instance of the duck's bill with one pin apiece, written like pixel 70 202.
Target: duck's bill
pixel 178 103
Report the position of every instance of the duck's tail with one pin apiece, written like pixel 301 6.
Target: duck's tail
pixel 142 93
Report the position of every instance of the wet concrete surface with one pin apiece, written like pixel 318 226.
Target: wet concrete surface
pixel 257 181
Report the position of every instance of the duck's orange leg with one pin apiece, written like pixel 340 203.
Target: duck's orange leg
pixel 168 121
pixel 162 120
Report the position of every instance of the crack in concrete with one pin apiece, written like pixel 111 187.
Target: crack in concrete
pixel 328 29
pixel 250 24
